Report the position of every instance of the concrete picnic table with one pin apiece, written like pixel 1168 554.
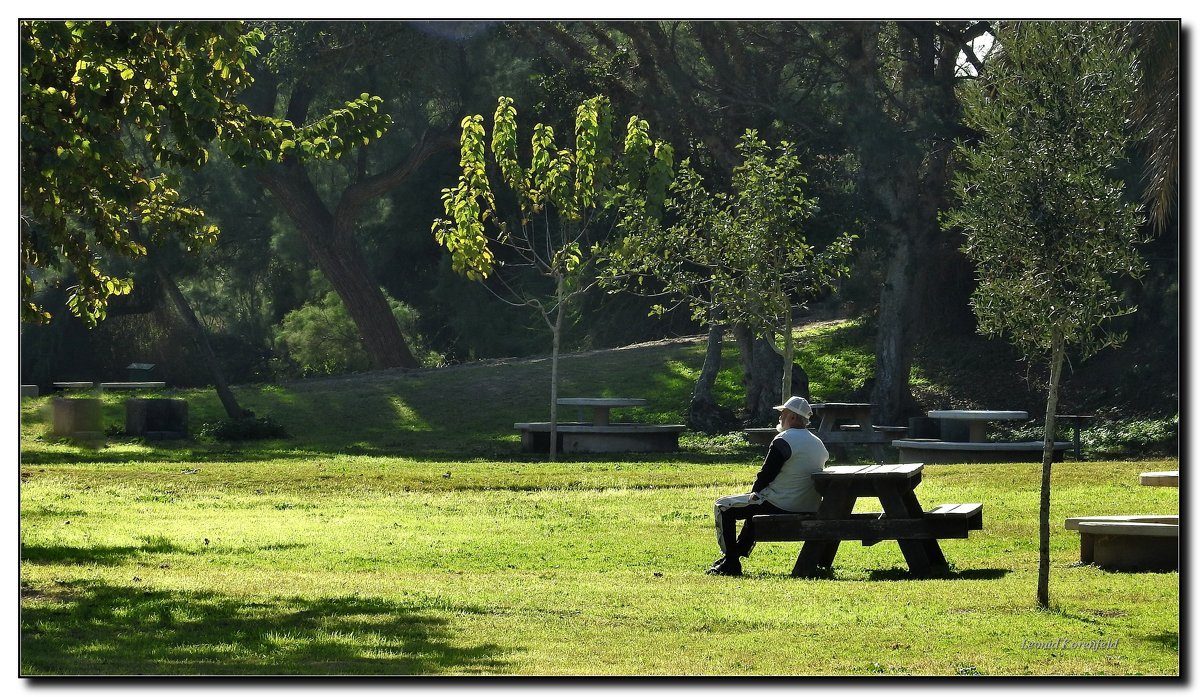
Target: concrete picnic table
pixel 600 406
pixel 842 413
pixel 977 420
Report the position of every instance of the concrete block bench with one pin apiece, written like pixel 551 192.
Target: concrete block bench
pixel 1159 478
pixel 77 418
pixel 941 451
pixel 612 438
pixel 156 419
pixel 1128 543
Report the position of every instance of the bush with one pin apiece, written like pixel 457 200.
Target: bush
pixel 320 338
pixel 1103 439
pixel 248 428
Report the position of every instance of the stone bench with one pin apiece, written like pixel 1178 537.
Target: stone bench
pixel 941 451
pixel 132 385
pixel 73 385
pixel 612 438
pixel 77 418
pixel 156 419
pixel 1159 478
pixel 1128 543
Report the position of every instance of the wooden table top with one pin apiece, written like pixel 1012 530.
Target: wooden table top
pixel 903 471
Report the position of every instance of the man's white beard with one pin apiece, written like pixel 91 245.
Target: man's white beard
pixel 779 427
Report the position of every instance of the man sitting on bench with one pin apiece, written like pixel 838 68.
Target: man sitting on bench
pixel 783 485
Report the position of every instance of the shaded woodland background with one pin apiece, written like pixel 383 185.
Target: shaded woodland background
pixel 314 259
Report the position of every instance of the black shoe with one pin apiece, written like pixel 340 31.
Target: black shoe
pixel 726 569
pixel 717 563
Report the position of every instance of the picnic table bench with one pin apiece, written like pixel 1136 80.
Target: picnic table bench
pixel 141 385
pixel 964 439
pixel 1131 542
pixel 600 435
pixel 1170 478
pixel 902 519
pixel 1128 542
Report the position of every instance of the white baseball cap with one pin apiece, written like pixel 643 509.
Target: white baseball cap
pixel 797 404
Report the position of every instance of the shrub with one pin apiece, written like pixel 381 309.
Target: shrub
pixel 320 338
pixel 248 428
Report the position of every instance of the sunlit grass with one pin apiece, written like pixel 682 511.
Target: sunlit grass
pixel 379 565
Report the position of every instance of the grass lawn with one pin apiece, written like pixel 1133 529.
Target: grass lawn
pixel 352 564
pixel 400 531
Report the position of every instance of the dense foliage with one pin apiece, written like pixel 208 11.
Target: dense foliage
pixel 869 107
pixel 108 111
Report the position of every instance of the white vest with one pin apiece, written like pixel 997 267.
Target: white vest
pixel 792 489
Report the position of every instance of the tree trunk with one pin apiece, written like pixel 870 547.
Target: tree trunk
pixel 330 239
pixel 761 367
pixel 893 350
pixel 342 263
pixel 903 128
pixel 558 323
pixel 704 413
pixel 1056 361
pixel 789 352
pixel 232 408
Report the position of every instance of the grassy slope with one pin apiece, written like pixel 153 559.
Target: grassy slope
pixel 399 531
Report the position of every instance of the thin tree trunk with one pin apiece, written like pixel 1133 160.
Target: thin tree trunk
pixel 1056 361
pixel 789 352
pixel 704 413
pixel 232 408
pixel 558 322
pixel 703 392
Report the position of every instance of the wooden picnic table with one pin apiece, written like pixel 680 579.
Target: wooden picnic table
pixel 917 531
pixel 977 420
pixel 600 406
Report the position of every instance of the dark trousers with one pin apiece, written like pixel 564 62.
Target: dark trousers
pixel 745 542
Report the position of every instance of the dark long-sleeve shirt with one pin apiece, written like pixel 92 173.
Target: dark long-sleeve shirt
pixel 778 454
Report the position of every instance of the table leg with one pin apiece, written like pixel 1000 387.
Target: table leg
pixel 897 504
pixel 978 431
pixel 821 553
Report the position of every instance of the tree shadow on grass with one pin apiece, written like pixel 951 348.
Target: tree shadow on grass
pixel 118 554
pixel 91 628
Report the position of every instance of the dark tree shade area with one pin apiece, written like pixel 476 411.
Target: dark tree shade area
pixel 252 201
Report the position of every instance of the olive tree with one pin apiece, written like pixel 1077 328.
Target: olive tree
pixel 1046 221
pixel 561 202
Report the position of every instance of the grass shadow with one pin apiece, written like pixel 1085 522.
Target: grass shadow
pixel 898 573
pixel 89 628
pixel 116 554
